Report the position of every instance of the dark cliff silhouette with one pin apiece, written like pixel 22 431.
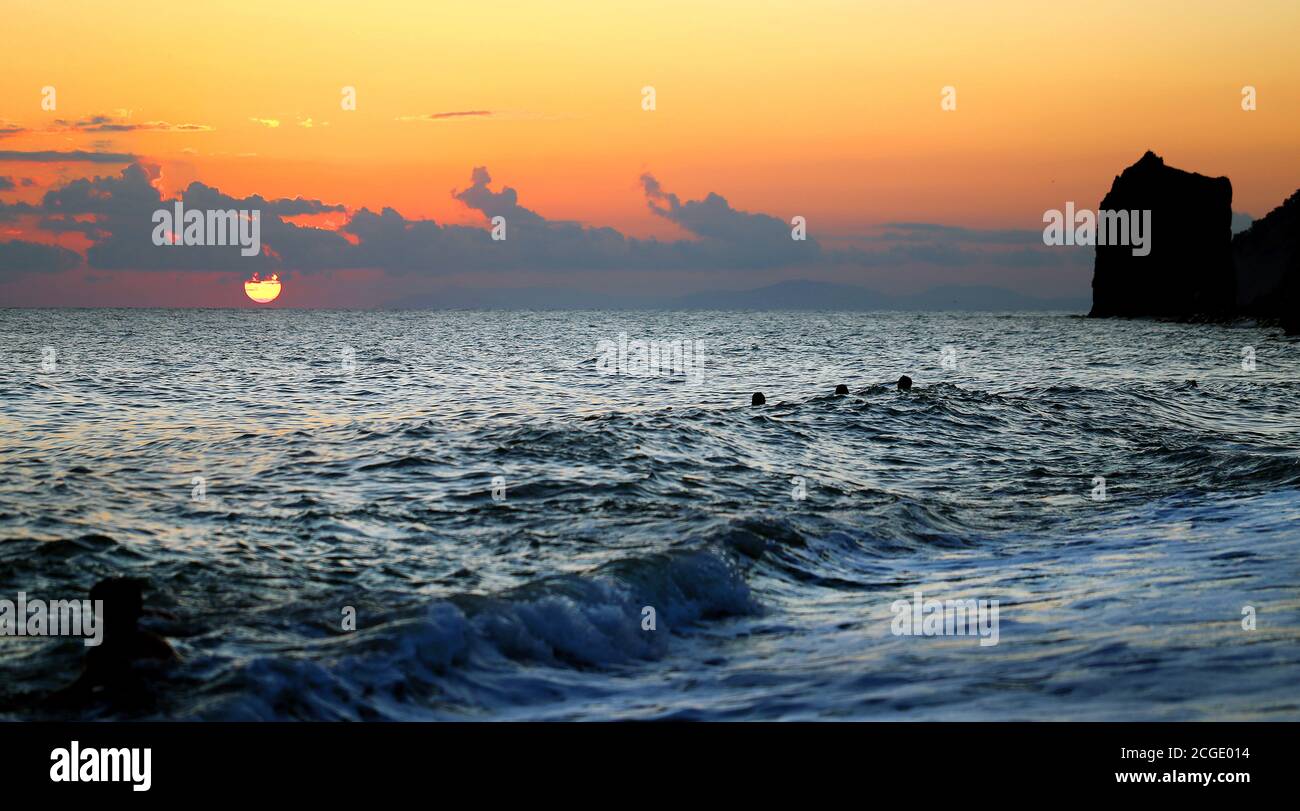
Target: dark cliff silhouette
pixel 1267 257
pixel 1189 271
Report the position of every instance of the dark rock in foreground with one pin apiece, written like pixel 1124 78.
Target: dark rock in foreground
pixel 1189 271
pixel 1267 256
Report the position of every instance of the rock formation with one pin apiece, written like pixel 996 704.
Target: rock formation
pixel 1267 257
pixel 1189 271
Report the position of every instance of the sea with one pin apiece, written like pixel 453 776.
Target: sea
pixel 549 515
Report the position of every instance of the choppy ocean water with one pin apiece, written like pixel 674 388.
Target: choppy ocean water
pixel 347 459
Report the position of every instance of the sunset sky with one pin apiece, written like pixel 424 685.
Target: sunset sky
pixel 825 110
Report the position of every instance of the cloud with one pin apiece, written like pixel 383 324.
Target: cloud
pixel 115 214
pixel 266 122
pixel 10 212
pixel 19 257
pixel 534 243
pixel 6 183
pixel 504 203
pixel 68 156
pixel 109 123
pixel 8 128
pixel 753 240
pixel 444 116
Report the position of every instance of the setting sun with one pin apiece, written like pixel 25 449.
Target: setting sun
pixel 263 291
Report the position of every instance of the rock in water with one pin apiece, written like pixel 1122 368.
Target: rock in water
pixel 1189 272
pixel 1268 266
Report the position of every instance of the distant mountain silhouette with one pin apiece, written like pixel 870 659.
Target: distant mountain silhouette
pixel 1189 271
pixel 809 295
pixel 526 298
pixel 799 294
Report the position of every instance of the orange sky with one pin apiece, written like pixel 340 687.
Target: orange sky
pixel 828 110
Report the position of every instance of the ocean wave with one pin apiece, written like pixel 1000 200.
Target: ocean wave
pixel 405 666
